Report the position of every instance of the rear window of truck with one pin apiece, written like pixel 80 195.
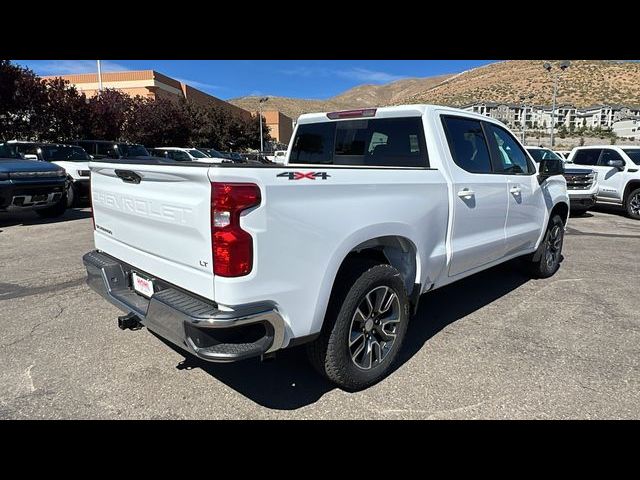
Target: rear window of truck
pixel 390 142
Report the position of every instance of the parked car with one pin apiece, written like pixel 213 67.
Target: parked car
pixel 213 153
pixel 582 184
pixel 185 155
pixel 618 169
pixel 31 185
pixel 373 208
pixel 99 149
pixel 75 160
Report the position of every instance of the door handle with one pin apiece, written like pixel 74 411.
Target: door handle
pixel 515 190
pixel 466 193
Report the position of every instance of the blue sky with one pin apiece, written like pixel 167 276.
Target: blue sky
pixel 289 78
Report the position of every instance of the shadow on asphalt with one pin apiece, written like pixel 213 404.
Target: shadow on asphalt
pixel 289 382
pixel 32 218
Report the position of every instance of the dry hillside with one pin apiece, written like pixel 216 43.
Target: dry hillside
pixel 586 82
pixel 360 96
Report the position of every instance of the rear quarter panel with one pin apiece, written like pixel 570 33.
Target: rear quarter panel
pixel 303 230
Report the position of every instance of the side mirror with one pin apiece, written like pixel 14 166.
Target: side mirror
pixel 619 164
pixel 549 167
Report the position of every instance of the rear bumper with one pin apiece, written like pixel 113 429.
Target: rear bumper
pixel 186 320
pixel 582 200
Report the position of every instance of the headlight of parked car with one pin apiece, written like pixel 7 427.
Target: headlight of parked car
pixel 52 173
pixel 84 173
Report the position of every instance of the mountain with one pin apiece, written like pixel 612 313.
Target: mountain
pixel 584 83
pixel 360 96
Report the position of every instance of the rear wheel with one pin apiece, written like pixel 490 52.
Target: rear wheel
pixel 71 195
pixel 632 204
pixel 364 327
pixel 546 260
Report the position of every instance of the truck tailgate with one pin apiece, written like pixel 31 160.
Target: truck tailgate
pixel 156 218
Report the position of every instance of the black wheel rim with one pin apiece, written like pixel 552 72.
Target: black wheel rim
pixel 374 327
pixel 634 204
pixel 554 246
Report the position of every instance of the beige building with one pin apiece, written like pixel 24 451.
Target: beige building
pixel 149 84
pixel 280 126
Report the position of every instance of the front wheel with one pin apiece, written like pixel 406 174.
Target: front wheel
pixel 632 204
pixel 546 260
pixel 364 327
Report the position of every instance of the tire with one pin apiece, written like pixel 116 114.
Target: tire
pixel 546 260
pixel 54 211
pixel 71 196
pixel 376 335
pixel 632 204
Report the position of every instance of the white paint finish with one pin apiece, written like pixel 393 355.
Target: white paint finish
pixel 162 225
pixel 72 168
pixel 303 229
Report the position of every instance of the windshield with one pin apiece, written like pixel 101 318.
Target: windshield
pixel 69 154
pixel 542 154
pixel 196 153
pixel 214 153
pixel 633 154
pixel 7 152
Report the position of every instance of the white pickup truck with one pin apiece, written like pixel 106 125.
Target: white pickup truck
pixel 373 208
pixel 618 170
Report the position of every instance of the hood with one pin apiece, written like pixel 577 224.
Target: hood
pixel 8 165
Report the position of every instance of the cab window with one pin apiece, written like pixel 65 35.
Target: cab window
pixel 509 157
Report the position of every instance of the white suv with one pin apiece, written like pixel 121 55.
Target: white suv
pixel 618 169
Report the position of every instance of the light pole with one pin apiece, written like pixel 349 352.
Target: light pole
pixel 548 67
pixel 99 77
pixel 523 119
pixel 260 102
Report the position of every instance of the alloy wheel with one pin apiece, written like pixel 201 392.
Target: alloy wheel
pixel 374 327
pixel 554 246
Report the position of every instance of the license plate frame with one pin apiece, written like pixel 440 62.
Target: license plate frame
pixel 142 284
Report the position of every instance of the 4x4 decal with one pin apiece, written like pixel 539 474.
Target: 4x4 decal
pixel 303 175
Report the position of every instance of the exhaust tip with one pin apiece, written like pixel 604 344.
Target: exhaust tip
pixel 130 321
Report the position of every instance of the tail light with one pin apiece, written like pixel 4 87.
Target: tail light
pixel 232 247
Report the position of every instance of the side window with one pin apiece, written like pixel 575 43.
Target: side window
pixel 180 156
pixel 467 144
pixel 313 143
pixel 102 149
pixel 608 154
pixel 511 158
pixel 587 157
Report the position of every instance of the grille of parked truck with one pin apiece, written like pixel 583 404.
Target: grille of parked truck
pixel 372 209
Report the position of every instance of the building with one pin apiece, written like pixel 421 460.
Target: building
pixel 627 127
pixel 148 84
pixel 280 126
pixel 595 116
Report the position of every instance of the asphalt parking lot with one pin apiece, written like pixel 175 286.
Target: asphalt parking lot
pixel 496 345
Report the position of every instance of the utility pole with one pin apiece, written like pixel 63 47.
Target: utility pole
pixel 548 67
pixel 99 77
pixel 260 102
pixel 523 119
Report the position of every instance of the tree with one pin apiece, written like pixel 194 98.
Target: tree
pixel 22 100
pixel 108 115
pixel 65 114
pixel 156 123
